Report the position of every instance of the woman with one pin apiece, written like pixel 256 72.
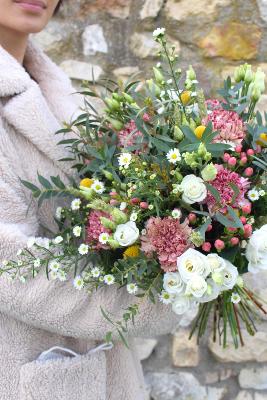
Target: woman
pixel 37 315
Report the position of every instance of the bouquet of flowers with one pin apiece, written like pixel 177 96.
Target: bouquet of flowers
pixel 171 198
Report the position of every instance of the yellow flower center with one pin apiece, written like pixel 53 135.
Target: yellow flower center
pixel 185 97
pixel 131 252
pixel 86 182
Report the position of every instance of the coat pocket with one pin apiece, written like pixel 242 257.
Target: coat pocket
pixel 77 378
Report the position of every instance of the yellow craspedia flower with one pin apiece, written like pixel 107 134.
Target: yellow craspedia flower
pixel 199 131
pixel 86 182
pixel 132 251
pixel 185 97
pixel 262 141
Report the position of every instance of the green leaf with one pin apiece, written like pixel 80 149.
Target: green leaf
pixel 44 182
pixel 159 144
pixel 203 228
pixel 58 182
pixel 189 134
pixel 30 186
pixel 224 220
pixel 122 338
pixel 106 316
pixel 235 218
pixel 214 192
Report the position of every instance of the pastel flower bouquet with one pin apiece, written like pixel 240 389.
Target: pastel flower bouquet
pixel 171 200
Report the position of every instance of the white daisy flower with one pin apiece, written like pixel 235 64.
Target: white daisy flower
pixel 125 159
pixel 37 263
pixel 31 242
pixel 103 237
pixel 54 266
pixel 77 230
pixel 165 298
pixel 174 156
pixel 132 288
pixel 78 283
pixel 253 195
pixel 158 65
pixel 123 205
pixel 262 192
pixel 83 249
pixel 133 216
pixel 235 298
pixel 58 213
pixel 19 263
pixel 159 32
pixel 62 276
pixel 176 213
pixel 95 272
pixel 98 187
pixel 75 204
pixel 169 81
pixel 161 110
pixel 109 279
pixel 58 239
pixel 53 275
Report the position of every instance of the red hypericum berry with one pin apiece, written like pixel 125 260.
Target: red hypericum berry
pixel 144 205
pixel 234 241
pixel 247 230
pixel 113 194
pixel 250 152
pixel 238 148
pixel 243 220
pixel 243 160
pixel 192 218
pixel 209 228
pixel 219 244
pixel 113 202
pixel 226 157
pixel 232 161
pixel 246 208
pixel 249 171
pixel 206 247
pixel 135 200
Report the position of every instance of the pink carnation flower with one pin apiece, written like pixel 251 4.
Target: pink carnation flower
pixel 129 135
pixel 168 238
pixel 228 123
pixel 222 183
pixel 95 228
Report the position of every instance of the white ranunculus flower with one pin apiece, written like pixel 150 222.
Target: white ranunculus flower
pixel 256 251
pixel 193 262
pixel 230 275
pixel 126 234
pixel 194 189
pixel 212 292
pixel 197 286
pixel 216 262
pixel 181 304
pixel 173 283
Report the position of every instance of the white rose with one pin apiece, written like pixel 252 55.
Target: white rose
pixel 212 293
pixel 193 262
pixel 216 262
pixel 230 275
pixel 126 234
pixel 173 283
pixel 256 251
pixel 197 286
pixel 194 189
pixel 180 305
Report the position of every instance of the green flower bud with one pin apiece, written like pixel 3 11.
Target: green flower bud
pixel 118 216
pixel 179 177
pixel 116 124
pixel 190 73
pixel 117 97
pixel 113 104
pixel 209 173
pixel 101 206
pixel 188 84
pixel 108 224
pixel 158 75
pixel 113 244
pixel 86 193
pixel 259 80
pixel 256 93
pixel 249 75
pixel 108 175
pixel 128 98
pixel 201 101
pixel 218 278
pixel 202 150
pixel 192 124
pixel 196 238
pixel 240 281
pixel 207 156
pixel 153 87
pixel 178 134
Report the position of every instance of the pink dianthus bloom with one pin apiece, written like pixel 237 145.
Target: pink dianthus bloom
pixel 168 238
pixel 95 228
pixel 228 123
pixel 129 135
pixel 222 183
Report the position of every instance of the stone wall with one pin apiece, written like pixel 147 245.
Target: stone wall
pixel 114 36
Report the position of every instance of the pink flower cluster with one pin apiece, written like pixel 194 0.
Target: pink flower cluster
pixel 222 183
pixel 129 135
pixel 230 126
pixel 168 238
pixel 95 228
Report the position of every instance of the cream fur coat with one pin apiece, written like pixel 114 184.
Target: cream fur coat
pixel 39 314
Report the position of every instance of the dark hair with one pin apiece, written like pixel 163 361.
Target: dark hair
pixel 58 6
